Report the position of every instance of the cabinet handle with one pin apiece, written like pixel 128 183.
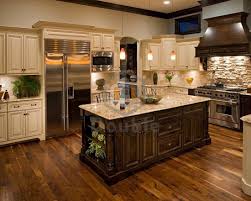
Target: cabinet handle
pixel 25 114
pixel 33 104
pixel 169 144
pixel 16 106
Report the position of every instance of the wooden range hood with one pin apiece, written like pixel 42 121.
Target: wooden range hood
pixel 226 36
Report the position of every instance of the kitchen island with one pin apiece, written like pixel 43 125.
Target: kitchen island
pixel 116 143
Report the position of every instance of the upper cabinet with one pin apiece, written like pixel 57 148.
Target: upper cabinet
pixel 162 49
pixel 168 45
pixel 23 53
pixel 117 54
pixel 186 55
pixel 2 53
pixel 154 48
pixel 102 42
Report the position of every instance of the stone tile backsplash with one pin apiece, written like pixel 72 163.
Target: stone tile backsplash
pixel 6 82
pixel 235 70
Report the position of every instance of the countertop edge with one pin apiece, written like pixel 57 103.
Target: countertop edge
pixel 246 119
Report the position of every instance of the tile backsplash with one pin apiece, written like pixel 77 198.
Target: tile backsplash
pixel 235 70
pixel 179 79
pixel 6 82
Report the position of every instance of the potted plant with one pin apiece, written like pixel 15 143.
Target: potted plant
pixel 26 86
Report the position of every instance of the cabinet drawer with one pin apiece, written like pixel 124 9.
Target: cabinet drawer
pixel 169 143
pixel 147 118
pixel 3 107
pixel 169 125
pixel 15 106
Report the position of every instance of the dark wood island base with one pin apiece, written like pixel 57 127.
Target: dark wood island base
pixel 134 143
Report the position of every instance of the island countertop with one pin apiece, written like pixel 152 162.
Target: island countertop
pixel 110 111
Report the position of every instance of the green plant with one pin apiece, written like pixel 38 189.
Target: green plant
pixel 97 144
pixel 26 86
pixel 169 77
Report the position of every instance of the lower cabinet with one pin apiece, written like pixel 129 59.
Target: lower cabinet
pixel 131 149
pixel 3 127
pixel 33 122
pixel 193 123
pixel 148 143
pixel 16 125
pixel 24 123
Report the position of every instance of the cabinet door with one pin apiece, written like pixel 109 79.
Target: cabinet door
pixel 33 122
pixel 193 126
pixel 108 42
pixel 117 55
pixel 193 61
pixel 155 48
pixel 16 125
pixel 166 49
pixel 97 41
pixel 131 149
pixel 2 53
pixel 182 56
pixel 148 143
pixel 15 53
pixel 3 127
pixel 31 54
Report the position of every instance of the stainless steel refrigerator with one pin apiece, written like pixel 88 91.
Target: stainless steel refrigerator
pixel 67 84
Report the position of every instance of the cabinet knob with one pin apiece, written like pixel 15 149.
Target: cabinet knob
pixel 169 144
pixel 170 127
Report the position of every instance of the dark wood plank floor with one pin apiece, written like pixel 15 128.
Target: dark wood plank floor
pixel 51 170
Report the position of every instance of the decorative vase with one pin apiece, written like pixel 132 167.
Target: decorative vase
pixel 155 78
pixel 100 83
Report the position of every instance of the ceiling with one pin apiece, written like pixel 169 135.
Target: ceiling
pixel 157 5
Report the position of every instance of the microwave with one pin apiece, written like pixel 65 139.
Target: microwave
pixel 102 61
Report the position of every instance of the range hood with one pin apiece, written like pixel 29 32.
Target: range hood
pixel 226 36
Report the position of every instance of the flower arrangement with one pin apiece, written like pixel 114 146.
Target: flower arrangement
pixel 169 77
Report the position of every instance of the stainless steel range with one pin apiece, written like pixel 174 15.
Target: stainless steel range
pixel 224 108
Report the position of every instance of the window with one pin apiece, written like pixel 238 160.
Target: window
pixel 188 25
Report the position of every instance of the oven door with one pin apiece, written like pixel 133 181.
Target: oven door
pixel 224 113
pixel 102 61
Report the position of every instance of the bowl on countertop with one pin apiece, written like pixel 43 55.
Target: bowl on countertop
pixel 150 99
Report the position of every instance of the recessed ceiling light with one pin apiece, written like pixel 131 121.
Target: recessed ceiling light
pixel 166 2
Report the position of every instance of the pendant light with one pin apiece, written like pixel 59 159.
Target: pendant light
pixel 150 53
pixel 173 53
pixel 173 56
pixel 122 54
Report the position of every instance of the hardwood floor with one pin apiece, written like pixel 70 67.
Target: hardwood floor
pixel 51 170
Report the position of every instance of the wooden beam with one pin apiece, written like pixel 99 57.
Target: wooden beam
pixel 210 2
pixel 129 9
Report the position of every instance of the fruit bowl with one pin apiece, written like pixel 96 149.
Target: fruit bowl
pixel 150 99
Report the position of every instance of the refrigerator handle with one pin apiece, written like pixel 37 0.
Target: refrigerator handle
pixel 63 93
pixel 66 95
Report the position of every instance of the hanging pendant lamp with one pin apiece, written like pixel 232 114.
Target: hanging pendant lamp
pixel 173 55
pixel 150 55
pixel 122 55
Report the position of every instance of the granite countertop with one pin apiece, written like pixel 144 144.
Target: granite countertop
pixel 246 119
pixel 246 93
pixel 19 99
pixel 110 111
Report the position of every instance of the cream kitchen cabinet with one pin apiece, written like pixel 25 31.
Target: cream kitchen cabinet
pixel 24 120
pixel 117 55
pixel 102 42
pixel 16 125
pixel 2 53
pixel 167 46
pixel 154 48
pixel 33 122
pixel 23 53
pixel 3 122
pixel 186 55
